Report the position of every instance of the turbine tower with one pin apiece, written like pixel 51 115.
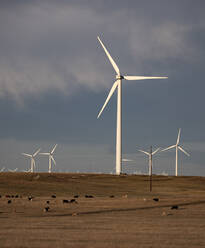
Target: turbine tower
pixel 177 147
pixel 50 157
pixel 150 154
pixel 33 163
pixel 118 84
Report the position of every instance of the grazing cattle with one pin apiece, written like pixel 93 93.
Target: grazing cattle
pixel 30 198
pixel 112 196
pixel 46 209
pixel 76 196
pixel 47 202
pixel 125 196
pixel 16 196
pixel 73 201
pixel 0 196
pixel 9 201
pixel 65 201
pixel 7 196
pixel 53 196
pixel 175 207
pixel 89 196
pixel 12 196
pixel 156 199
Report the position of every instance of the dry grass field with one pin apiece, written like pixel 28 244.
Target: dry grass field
pixel 130 218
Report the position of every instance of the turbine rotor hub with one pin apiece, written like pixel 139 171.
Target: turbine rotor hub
pixel 119 77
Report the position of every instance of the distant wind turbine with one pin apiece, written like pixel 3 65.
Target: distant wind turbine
pixel 177 147
pixel 150 154
pixel 14 170
pixel 33 163
pixel 118 84
pixel 50 157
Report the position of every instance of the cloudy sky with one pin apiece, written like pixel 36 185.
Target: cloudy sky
pixel 55 77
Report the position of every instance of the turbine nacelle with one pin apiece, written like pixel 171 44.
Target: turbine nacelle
pixel 119 77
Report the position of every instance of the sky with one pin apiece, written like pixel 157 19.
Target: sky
pixel 55 77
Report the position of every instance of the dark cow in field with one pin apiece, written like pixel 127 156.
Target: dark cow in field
pixel 9 202
pixel 175 207
pixel 30 198
pixel 89 196
pixel 73 201
pixel 46 209
pixel 53 196
pixel 156 199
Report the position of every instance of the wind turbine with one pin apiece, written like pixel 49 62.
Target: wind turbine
pixel 150 154
pixel 118 84
pixel 33 163
pixel 13 170
pixel 177 147
pixel 50 157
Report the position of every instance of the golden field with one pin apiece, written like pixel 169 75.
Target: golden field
pixel 130 218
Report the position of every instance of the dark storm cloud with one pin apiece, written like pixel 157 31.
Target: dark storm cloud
pixel 51 45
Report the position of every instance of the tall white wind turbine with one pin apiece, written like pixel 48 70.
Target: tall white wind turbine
pixel 32 156
pixel 177 147
pixel 118 84
pixel 50 157
pixel 150 154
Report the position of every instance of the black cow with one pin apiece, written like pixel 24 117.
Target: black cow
pixel 46 209
pixel 175 207
pixel 73 201
pixel 30 198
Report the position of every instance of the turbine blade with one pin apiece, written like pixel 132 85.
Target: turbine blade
pixel 144 152
pixel 170 147
pixel 108 97
pixel 53 160
pixel 178 136
pixel 44 153
pixel 36 152
pixel 110 58
pixel 142 77
pixel 180 148
pixel 127 160
pixel 54 149
pixel 156 151
pixel 27 155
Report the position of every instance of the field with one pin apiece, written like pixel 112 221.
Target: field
pixel 120 211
